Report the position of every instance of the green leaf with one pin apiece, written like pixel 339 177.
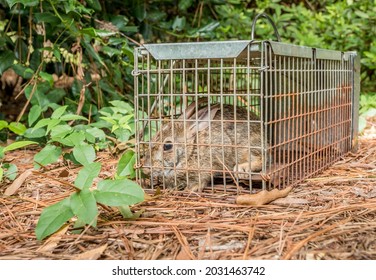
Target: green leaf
pixel 183 5
pixel 47 77
pixel 362 123
pixel 120 22
pixel 1 174
pixel 53 217
pixel 34 114
pixel 56 95
pixel 17 128
pixel 6 60
pixel 179 23
pixel 94 133
pixel 84 206
pixel 47 155
pixel 26 3
pixel 89 48
pixel 60 131
pixel 18 145
pixel 109 119
pixel 125 120
pixel 3 124
pixel 126 107
pixel 87 174
pixel 139 9
pixel 126 163
pixel 110 51
pixel 39 97
pixel 24 72
pixel 118 192
pixel 72 139
pixel 361 14
pixel 30 133
pixel 72 117
pixel 41 123
pixel 84 153
pixel 89 31
pixel 126 212
pixel 370 113
pixel 59 112
pixel 11 171
pixel 57 54
pixel 52 123
pixel 95 4
pixel 122 134
pixel 209 27
pixel 47 17
pixel 105 33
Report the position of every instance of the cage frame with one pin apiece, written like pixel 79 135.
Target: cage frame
pixel 224 50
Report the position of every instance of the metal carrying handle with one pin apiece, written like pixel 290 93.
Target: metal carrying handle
pixel 270 21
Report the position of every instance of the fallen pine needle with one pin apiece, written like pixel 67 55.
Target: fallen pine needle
pixel 312 236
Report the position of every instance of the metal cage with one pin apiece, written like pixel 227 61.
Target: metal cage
pixel 238 114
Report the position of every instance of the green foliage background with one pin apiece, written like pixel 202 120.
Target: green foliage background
pixel 47 37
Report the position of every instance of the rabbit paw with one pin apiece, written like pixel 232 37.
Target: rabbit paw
pixel 200 184
pixel 242 170
pixel 195 188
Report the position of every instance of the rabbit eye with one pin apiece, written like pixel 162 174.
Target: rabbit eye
pixel 167 146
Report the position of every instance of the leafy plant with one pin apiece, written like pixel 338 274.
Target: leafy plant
pixel 57 130
pixel 9 170
pixel 65 54
pixel 83 203
pixel 84 139
pixel 119 118
pixel 15 127
pixel 367 109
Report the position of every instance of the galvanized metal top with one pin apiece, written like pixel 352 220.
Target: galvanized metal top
pixel 235 49
pixel 198 50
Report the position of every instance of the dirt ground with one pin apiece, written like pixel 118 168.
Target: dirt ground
pixel 331 216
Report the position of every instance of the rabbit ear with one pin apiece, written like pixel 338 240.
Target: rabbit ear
pixel 204 116
pixel 192 108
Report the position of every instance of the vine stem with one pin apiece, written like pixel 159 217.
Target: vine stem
pixel 30 36
pixel 57 13
pixel 31 94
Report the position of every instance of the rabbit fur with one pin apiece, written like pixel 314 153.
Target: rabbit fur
pixel 188 154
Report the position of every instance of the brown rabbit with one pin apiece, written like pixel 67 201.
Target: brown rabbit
pixel 187 154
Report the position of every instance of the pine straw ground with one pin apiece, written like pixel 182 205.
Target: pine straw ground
pixel 332 216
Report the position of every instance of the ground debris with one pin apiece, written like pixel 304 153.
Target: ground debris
pixel 331 216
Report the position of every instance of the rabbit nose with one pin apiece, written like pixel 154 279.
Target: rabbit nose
pixel 146 171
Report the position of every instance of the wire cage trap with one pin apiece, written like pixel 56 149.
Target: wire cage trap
pixel 233 115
